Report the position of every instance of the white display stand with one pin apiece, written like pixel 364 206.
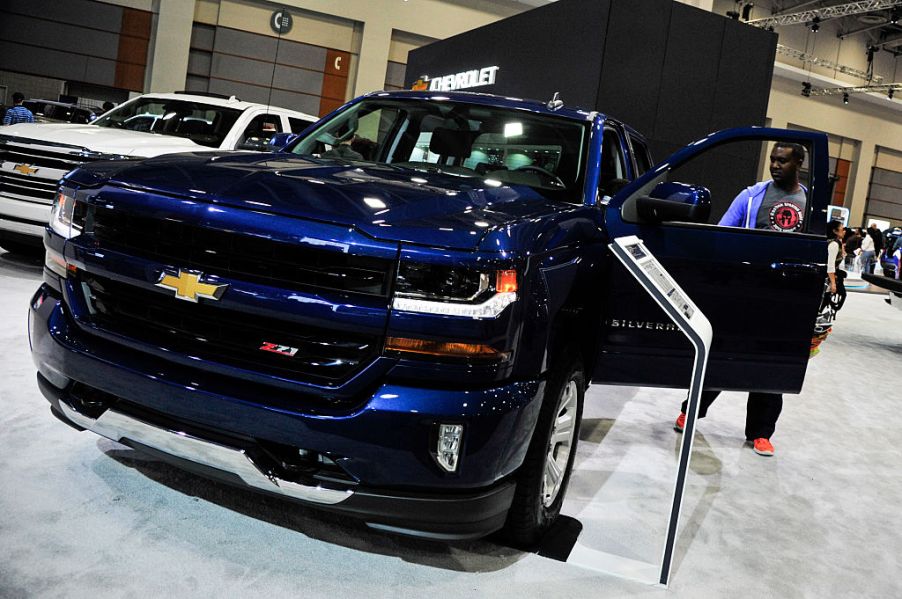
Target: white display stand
pixel 639 261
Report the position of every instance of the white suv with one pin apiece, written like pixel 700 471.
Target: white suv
pixel 33 157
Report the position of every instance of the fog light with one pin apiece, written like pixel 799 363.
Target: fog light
pixel 448 448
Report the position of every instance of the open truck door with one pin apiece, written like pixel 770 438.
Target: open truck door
pixel 760 289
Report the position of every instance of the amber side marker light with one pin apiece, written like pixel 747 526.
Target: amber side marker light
pixel 506 281
pixel 425 347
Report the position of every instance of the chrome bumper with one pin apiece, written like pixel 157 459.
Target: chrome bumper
pixel 118 427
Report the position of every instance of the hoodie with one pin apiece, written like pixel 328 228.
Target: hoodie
pixel 743 212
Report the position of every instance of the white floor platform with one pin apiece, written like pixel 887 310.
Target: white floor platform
pixel 84 517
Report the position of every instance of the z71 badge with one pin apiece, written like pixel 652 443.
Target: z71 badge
pixel 279 349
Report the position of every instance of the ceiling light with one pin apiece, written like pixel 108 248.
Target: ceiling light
pixel 815 24
pixel 845 98
pixel 806 89
pixel 513 129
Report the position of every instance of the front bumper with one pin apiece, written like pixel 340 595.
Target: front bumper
pixel 215 427
pixel 22 217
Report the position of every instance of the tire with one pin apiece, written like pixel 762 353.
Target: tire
pixel 537 504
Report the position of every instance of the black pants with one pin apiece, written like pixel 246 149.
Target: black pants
pixel 762 412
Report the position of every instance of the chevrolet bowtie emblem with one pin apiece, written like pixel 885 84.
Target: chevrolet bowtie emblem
pixel 25 169
pixel 188 286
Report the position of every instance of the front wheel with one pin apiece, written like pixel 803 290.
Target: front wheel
pixel 543 477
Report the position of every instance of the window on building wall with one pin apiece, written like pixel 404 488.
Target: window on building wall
pixel 885 188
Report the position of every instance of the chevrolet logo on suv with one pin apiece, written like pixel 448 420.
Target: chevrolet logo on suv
pixel 188 286
pixel 25 169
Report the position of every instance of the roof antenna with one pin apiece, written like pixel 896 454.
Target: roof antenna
pixel 555 102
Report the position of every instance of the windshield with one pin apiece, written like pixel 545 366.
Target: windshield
pixel 498 145
pixel 203 124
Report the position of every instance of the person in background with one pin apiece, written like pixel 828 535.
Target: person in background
pixel 851 244
pixel 108 106
pixel 775 205
pixel 879 244
pixel 835 231
pixel 866 257
pixel 18 113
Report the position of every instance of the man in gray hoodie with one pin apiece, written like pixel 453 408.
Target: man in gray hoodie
pixel 776 205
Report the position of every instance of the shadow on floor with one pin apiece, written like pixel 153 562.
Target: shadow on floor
pixel 22 266
pixel 463 556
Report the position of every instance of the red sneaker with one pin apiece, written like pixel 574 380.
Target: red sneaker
pixel 680 423
pixel 763 447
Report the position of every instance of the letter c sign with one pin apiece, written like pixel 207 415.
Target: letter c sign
pixel 337 63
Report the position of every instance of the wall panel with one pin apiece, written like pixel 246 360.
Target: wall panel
pixel 81 41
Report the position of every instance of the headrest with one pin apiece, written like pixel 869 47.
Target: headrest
pixel 452 142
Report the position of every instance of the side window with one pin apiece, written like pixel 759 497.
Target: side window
pixel 257 134
pixel 760 185
pixel 613 168
pixel 297 125
pixel 640 153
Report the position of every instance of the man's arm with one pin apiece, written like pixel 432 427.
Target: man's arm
pixel 735 215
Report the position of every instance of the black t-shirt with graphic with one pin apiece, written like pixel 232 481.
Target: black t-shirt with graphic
pixel 781 211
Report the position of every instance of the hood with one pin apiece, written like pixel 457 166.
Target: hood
pixel 103 139
pixel 386 203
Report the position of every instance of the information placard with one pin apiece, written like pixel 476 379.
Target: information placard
pixel 655 279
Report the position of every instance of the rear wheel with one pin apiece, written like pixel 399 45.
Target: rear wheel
pixel 543 477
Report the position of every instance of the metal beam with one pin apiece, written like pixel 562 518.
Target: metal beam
pixel 862 89
pixel 796 7
pixel 825 13
pixel 827 64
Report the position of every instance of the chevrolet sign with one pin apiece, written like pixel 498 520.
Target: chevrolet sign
pixel 463 80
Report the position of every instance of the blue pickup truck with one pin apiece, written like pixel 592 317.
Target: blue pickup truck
pixel 396 316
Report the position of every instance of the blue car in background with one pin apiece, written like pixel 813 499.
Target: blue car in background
pixel 396 316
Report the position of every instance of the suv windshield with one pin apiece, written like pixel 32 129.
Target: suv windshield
pixel 203 124
pixel 500 146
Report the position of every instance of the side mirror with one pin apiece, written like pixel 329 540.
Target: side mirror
pixel 257 144
pixel 675 202
pixel 278 141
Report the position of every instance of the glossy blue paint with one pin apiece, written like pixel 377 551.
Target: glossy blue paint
pixel 379 422
pixel 383 441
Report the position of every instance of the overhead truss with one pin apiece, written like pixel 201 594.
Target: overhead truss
pixel 827 12
pixel 827 64
pixel 862 89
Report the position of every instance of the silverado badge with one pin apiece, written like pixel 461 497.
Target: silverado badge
pixel 188 286
pixel 25 169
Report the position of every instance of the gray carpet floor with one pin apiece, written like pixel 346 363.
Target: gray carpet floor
pixel 81 516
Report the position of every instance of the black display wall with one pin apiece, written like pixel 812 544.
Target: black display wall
pixel 672 71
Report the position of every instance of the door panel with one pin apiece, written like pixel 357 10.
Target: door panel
pixel 760 289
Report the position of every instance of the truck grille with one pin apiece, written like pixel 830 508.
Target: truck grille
pixel 241 256
pixel 51 163
pixel 225 336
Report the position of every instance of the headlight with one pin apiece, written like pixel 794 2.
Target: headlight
pixel 453 291
pixel 66 217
